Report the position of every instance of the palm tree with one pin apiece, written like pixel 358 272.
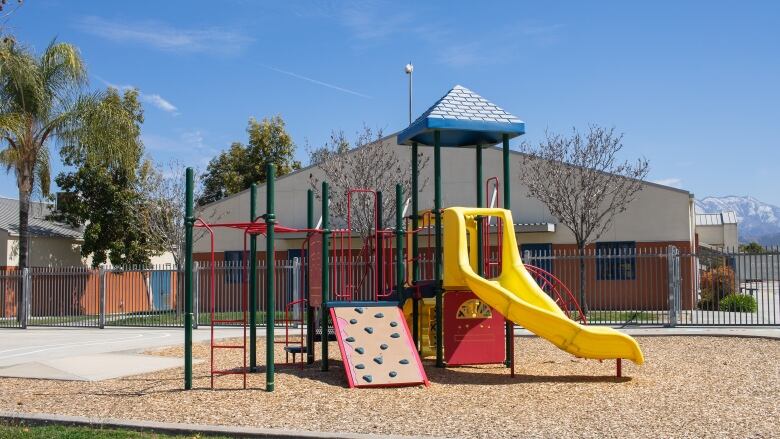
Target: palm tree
pixel 37 97
pixel 41 103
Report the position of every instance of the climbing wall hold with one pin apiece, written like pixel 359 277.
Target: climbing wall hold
pixel 404 361
pixel 379 315
pixel 378 360
pixel 368 378
pixel 360 350
pixel 360 366
pixel 369 329
pixel 395 335
pixel 359 310
pixel 383 346
pixel 350 339
pixel 392 374
pixel 353 321
pixel 393 324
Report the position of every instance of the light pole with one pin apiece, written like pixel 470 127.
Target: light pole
pixel 409 69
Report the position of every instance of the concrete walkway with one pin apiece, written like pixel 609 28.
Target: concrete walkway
pixel 90 354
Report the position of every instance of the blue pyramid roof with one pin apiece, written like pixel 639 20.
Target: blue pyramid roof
pixel 463 118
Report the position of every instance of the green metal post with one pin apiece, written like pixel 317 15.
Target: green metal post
pixel 253 282
pixel 510 327
pixel 309 308
pixel 189 221
pixel 480 203
pixel 270 220
pixel 438 253
pixel 399 241
pixel 325 276
pixel 415 245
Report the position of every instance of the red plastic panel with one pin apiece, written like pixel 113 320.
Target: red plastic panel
pixel 473 331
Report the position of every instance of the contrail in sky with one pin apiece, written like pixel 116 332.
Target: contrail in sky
pixel 315 81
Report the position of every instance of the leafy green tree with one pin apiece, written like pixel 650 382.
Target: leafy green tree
pixel 106 194
pixel 241 165
pixel 752 247
pixel 41 104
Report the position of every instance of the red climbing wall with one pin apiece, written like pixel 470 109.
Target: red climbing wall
pixel 376 347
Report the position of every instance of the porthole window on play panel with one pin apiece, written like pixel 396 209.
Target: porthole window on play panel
pixel 616 260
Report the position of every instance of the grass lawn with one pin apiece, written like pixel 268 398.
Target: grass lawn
pixel 172 319
pixel 622 316
pixel 18 430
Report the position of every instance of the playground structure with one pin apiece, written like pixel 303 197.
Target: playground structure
pixel 383 312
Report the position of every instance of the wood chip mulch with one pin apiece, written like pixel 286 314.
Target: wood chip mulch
pixel 689 387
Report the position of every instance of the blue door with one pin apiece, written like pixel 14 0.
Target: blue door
pixel 161 289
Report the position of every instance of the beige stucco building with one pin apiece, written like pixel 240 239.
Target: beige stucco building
pixel 52 244
pixel 718 230
pixel 660 215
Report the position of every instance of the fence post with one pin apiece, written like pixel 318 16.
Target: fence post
pixel 196 294
pixel 102 292
pixel 26 293
pixel 296 286
pixel 673 274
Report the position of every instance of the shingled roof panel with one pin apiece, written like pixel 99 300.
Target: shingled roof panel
pixel 463 118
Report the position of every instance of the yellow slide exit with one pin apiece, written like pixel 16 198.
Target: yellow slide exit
pixel 516 295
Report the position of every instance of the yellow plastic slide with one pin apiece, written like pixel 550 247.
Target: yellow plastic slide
pixel 516 295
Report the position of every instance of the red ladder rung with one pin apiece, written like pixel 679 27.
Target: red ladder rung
pixel 229 321
pixel 227 346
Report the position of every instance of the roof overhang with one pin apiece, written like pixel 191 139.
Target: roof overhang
pixel 455 132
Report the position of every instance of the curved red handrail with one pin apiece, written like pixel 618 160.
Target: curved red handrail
pixel 555 284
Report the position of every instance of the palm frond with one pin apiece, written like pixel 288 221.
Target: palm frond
pixel 43 171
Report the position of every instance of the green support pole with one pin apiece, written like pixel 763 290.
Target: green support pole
pixel 399 241
pixel 270 220
pixel 510 327
pixel 309 308
pixel 438 254
pixel 480 203
pixel 415 245
pixel 325 276
pixel 380 266
pixel 189 221
pixel 253 282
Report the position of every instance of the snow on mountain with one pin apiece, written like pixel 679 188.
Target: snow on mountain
pixel 758 221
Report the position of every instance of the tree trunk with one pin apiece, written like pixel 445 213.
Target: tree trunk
pixel 24 181
pixel 583 299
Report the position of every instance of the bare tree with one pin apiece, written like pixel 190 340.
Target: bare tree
pixel 583 183
pixel 367 163
pixel 165 190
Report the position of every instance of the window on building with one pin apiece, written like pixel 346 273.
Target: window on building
pixel 234 273
pixel 616 260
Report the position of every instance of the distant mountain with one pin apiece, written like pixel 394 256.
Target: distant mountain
pixel 758 221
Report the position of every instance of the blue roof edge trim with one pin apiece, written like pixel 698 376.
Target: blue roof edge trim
pixel 490 130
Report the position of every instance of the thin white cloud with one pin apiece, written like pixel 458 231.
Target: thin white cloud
pixel 159 102
pixel 318 82
pixel 186 141
pixel 163 36
pixel 152 98
pixel 672 182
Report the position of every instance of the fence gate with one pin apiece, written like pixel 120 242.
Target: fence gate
pixel 731 288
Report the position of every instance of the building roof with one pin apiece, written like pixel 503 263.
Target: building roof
pixel 463 118
pixel 38 224
pixel 716 219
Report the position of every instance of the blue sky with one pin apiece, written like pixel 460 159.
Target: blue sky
pixel 693 85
